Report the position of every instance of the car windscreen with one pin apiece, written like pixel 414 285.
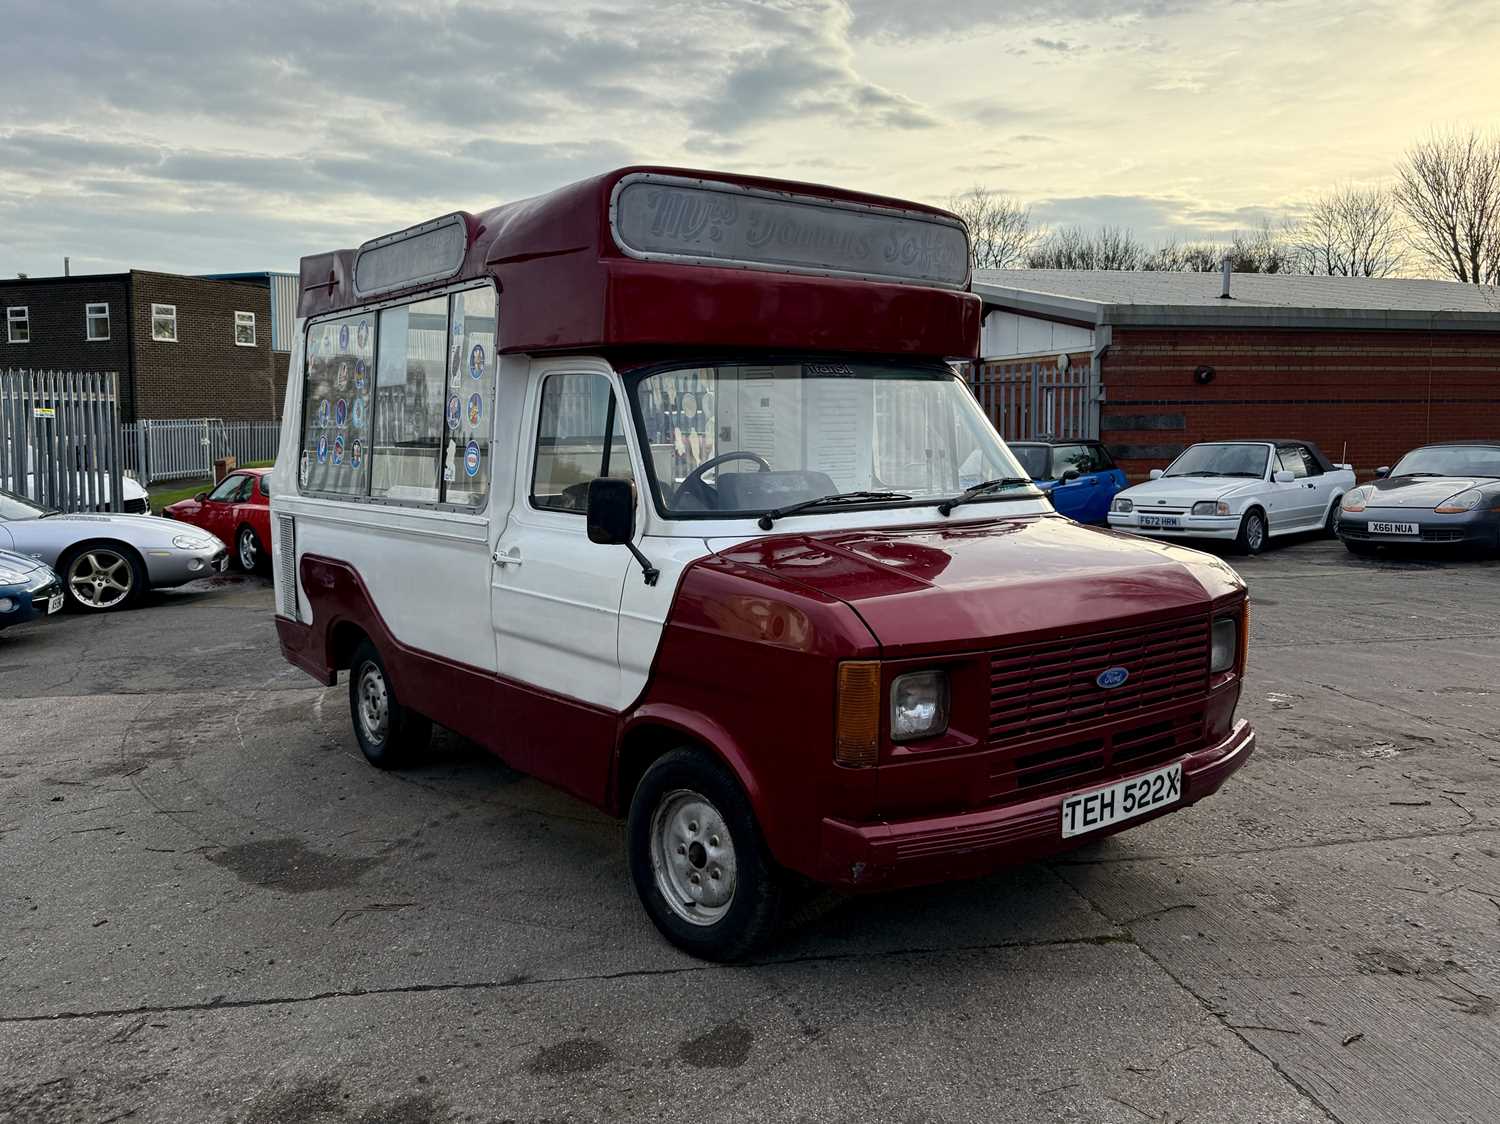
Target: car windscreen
pixel 1035 459
pixel 743 438
pixel 1222 460
pixel 14 507
pixel 1451 460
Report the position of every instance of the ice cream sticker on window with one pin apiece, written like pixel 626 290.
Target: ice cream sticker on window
pixel 341 412
pixel 476 409
pixel 323 413
pixel 471 458
pixel 338 449
pixel 356 453
pixel 455 411
pixel 343 337
pixel 323 449
pixel 476 361
pixel 357 414
pixel 363 334
pixel 360 370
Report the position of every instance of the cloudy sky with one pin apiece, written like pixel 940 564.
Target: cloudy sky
pixel 239 134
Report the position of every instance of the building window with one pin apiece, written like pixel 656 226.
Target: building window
pixel 244 329
pixel 164 322
pixel 96 320
pixel 18 325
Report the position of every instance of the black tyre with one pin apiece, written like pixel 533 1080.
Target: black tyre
pixel 1363 549
pixel 1331 524
pixel 698 861
pixel 389 734
pixel 1252 536
pixel 102 577
pixel 249 552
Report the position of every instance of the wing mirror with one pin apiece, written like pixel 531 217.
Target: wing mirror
pixel 200 497
pixel 611 519
pixel 1069 474
pixel 1157 474
pixel 1382 472
pixel 1282 476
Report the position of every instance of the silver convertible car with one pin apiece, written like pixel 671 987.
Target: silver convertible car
pixel 108 561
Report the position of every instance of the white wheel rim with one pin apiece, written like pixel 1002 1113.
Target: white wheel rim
pixel 374 704
pixel 693 857
pixel 100 578
pixel 247 549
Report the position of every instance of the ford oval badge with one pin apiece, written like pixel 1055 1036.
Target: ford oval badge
pixel 1112 677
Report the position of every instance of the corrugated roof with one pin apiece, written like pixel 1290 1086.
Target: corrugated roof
pixel 1117 296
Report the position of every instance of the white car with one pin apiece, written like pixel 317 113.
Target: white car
pixel 1237 491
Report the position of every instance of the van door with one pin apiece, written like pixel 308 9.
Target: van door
pixel 555 596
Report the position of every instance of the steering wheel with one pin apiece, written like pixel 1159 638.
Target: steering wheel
pixel 694 485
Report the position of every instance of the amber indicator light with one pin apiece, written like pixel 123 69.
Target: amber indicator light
pixel 856 740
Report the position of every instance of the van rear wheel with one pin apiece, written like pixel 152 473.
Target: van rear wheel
pixel 389 734
pixel 698 861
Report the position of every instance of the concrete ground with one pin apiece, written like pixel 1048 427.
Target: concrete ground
pixel 212 909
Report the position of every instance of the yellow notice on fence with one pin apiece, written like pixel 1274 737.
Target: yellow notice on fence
pixel 44 411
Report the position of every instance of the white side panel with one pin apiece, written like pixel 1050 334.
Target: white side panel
pixel 644 608
pixel 1007 335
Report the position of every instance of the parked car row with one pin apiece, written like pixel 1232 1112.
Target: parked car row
pixel 1248 492
pixel 102 562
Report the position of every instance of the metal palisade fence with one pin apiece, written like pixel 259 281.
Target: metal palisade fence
pixel 60 440
pixel 186 448
pixel 1032 398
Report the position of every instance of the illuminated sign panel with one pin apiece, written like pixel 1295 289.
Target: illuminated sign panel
pixel 432 251
pixel 704 222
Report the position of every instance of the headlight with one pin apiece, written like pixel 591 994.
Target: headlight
pixel 1355 500
pixel 1210 507
pixel 1225 645
pixel 189 542
pixel 1464 501
pixel 919 705
pixel 1123 506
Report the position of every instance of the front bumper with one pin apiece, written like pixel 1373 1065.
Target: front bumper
pixel 1469 528
pixel 970 844
pixel 174 566
pixel 21 603
pixel 1225 527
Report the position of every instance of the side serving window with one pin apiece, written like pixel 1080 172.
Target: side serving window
pixel 577 412
pixel 336 405
pixel 398 402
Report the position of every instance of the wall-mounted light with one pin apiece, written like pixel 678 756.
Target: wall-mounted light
pixel 1204 375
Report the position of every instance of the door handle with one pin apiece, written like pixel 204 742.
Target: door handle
pixel 512 558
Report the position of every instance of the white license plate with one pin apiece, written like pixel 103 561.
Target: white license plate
pixel 1393 528
pixel 1160 521
pixel 1125 800
pixel 54 603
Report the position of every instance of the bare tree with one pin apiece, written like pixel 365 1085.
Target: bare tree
pixel 1449 188
pixel 1352 232
pixel 1000 231
pixel 1073 247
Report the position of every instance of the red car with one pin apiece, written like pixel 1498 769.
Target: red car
pixel 238 510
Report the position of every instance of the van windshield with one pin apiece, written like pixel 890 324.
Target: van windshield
pixel 744 438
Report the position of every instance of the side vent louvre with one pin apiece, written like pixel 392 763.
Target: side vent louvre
pixel 286 566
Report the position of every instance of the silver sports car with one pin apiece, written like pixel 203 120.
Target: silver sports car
pixel 108 561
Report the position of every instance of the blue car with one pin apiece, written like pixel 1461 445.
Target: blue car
pixel 1079 477
pixel 28 589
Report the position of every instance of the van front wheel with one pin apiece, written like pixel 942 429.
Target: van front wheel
pixel 698 861
pixel 389 734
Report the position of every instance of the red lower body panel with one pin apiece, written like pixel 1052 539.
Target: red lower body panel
pixel 969 844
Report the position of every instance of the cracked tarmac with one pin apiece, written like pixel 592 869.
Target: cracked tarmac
pixel 212 910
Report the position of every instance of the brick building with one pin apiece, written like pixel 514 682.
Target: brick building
pixel 184 347
pixel 1366 368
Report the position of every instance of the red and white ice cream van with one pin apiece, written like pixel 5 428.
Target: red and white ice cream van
pixel 661 486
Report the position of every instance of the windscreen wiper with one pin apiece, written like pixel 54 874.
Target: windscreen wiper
pixel 947 506
pixel 769 518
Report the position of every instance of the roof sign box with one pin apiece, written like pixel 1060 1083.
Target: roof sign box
pixel 659 217
pixel 432 251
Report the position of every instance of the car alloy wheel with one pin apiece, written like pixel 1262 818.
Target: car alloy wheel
pixel 249 550
pixel 101 579
pixel 692 856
